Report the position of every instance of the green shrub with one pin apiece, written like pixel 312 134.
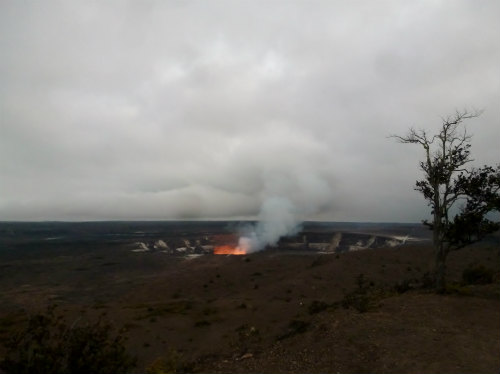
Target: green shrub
pixel 317 306
pixel 360 302
pixel 477 274
pixel 202 323
pixel 362 297
pixel 248 338
pixel 49 345
pixel 427 280
pixel 406 285
pixel 170 364
pixel 295 327
pixel 246 331
pixel 457 289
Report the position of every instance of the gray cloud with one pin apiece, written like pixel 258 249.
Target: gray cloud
pixel 165 110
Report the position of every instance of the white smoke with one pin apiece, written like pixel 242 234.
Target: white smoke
pixel 287 199
pixel 277 218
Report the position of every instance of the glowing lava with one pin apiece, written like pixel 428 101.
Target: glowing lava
pixel 244 247
pixel 229 250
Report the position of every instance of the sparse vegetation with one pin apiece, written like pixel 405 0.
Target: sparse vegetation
pixel 242 306
pixel 48 345
pixel 477 274
pixel 295 327
pixel 320 260
pixel 246 331
pixel 176 295
pixel 363 297
pixel 159 310
pixel 317 306
pixel 458 289
pixel 172 363
pixel 207 311
pixel 404 286
pixel 293 323
pixel 249 337
pixel 202 323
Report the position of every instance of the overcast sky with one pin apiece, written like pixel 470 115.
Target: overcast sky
pixel 207 109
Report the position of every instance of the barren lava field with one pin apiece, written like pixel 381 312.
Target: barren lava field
pixel 287 309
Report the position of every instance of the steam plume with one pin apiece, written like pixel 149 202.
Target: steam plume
pixel 277 218
pixel 288 199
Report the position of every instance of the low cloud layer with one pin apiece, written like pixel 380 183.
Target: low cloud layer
pixel 206 110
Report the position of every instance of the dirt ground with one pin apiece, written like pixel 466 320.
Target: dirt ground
pixel 273 311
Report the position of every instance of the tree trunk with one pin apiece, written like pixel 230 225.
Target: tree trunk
pixel 440 268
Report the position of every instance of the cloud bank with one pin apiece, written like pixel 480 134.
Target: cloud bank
pixel 206 110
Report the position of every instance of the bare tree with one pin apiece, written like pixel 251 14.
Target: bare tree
pixel 448 183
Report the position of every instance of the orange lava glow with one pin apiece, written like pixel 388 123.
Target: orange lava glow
pixel 228 250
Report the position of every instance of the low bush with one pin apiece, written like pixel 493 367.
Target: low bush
pixel 248 338
pixel 409 284
pixel 48 345
pixel 477 274
pixel 361 302
pixel 173 362
pixel 317 306
pixel 362 298
pixel 295 327
pixel 427 280
pixel 202 323
pixel 457 289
